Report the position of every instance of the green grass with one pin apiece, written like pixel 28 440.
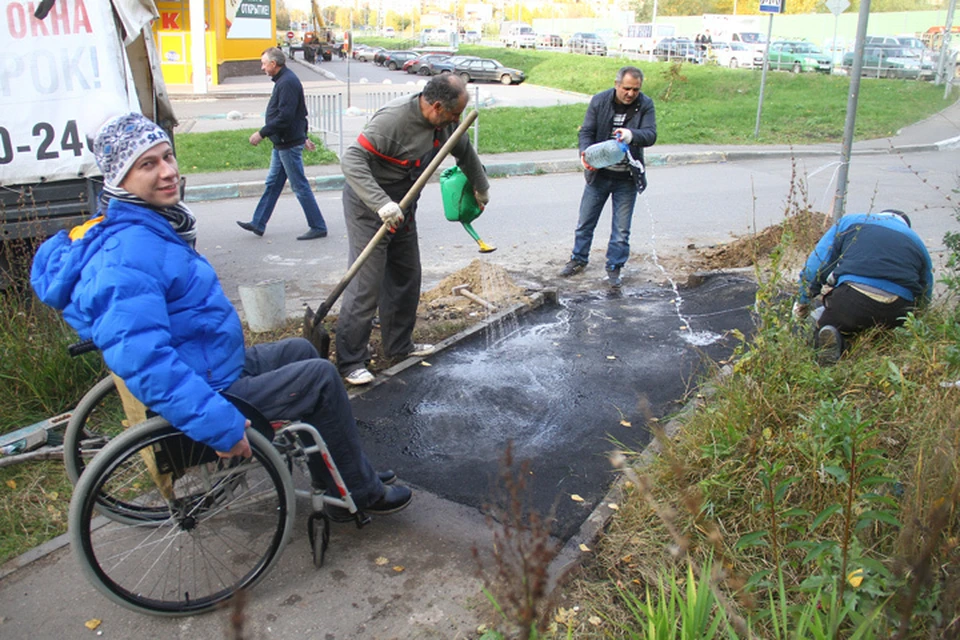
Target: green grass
pixel 232 151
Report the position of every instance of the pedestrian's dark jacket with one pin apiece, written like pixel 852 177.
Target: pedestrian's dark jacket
pixel 286 117
pixel 598 123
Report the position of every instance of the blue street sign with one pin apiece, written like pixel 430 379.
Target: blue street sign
pixel 773 6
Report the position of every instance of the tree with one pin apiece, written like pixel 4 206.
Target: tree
pixel 283 16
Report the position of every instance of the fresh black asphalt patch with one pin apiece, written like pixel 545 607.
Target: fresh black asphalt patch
pixel 562 383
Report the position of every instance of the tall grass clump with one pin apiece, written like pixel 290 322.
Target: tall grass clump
pixel 827 497
pixel 39 377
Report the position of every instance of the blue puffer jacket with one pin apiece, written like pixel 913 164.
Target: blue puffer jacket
pixel 156 310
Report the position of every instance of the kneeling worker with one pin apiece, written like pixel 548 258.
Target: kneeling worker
pixel 879 270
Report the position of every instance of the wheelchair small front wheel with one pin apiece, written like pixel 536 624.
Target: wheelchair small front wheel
pixel 225 521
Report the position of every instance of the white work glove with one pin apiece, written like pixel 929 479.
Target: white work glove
pixel 625 135
pixel 800 310
pixel 391 214
pixel 483 197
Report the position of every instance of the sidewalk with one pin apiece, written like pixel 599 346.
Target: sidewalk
pixel 940 131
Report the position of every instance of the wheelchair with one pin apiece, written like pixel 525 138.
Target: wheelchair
pixel 161 524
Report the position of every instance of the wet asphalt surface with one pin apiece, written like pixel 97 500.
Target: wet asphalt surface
pixel 559 383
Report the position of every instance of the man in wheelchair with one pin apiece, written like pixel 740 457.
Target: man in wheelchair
pixel 130 280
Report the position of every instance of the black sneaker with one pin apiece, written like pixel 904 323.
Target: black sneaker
pixel 829 345
pixel 613 277
pixel 397 498
pixel 572 268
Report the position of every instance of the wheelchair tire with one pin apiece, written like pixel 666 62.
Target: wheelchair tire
pixel 92 424
pixel 225 521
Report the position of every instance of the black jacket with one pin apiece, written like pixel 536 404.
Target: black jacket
pixel 286 117
pixel 598 123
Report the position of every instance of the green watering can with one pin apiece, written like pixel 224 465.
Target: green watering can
pixel 459 203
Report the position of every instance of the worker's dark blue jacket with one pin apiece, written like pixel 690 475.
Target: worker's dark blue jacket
pixel 286 117
pixel 876 249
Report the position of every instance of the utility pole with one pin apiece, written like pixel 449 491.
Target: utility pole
pixel 839 201
pixel 945 47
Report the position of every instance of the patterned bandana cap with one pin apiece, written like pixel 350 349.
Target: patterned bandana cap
pixel 121 141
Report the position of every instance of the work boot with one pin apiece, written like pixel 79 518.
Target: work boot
pixel 572 268
pixel 829 345
pixel 613 277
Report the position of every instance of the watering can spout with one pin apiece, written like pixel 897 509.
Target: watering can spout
pixel 484 247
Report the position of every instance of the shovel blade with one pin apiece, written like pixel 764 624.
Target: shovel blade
pixel 314 332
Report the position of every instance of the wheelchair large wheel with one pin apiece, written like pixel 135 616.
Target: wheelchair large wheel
pixel 225 523
pixel 97 419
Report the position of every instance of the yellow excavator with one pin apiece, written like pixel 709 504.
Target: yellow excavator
pixel 318 43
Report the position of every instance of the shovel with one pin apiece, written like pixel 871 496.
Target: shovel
pixel 312 321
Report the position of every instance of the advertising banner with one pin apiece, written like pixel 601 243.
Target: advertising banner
pixel 249 19
pixel 58 78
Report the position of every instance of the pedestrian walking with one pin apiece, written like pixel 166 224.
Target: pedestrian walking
pixel 625 114
pixel 286 127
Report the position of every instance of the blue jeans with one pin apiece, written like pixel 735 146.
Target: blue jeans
pixel 288 163
pixel 624 193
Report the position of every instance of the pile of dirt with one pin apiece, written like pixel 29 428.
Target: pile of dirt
pixel 805 229
pixel 488 281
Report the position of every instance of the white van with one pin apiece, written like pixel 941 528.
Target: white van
pixel 519 35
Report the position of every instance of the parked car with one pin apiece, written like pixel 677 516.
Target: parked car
pixel 731 54
pixel 471 37
pixel 588 43
pixel 549 40
pixel 393 60
pixel 887 62
pixel 420 64
pixel 436 67
pixel 675 48
pixel 487 69
pixel 796 57
pixel 389 32
pixel 365 53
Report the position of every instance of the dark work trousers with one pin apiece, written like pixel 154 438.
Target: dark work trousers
pixel 851 311
pixel 287 380
pixel 389 279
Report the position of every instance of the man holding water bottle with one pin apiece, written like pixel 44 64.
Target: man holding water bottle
pixel 626 115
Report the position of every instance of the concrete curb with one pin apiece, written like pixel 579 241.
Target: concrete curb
pixel 336 182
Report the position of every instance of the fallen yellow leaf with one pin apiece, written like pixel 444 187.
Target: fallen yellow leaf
pixel 398 568
pixel 625 423
pixel 613 505
pixel 595 621
pixel 92 624
pixel 576 498
pixel 12 483
pixel 380 561
pixel 584 548
pixel 424 363
pixel 611 357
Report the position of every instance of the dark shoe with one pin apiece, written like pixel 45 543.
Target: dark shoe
pixel 313 234
pixel 829 345
pixel 248 226
pixel 387 477
pixel 395 499
pixel 613 277
pixel 572 268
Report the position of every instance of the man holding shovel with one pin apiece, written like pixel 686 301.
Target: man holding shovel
pixel 380 168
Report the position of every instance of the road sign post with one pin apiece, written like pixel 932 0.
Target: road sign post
pixel 771 7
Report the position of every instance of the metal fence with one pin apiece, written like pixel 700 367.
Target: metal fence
pixel 325 116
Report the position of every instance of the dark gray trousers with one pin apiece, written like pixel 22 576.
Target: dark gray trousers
pixel 287 380
pixel 389 279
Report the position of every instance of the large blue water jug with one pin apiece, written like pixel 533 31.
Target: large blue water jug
pixel 605 154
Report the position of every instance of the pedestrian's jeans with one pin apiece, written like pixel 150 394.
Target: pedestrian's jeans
pixel 624 193
pixel 284 164
pixel 287 380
